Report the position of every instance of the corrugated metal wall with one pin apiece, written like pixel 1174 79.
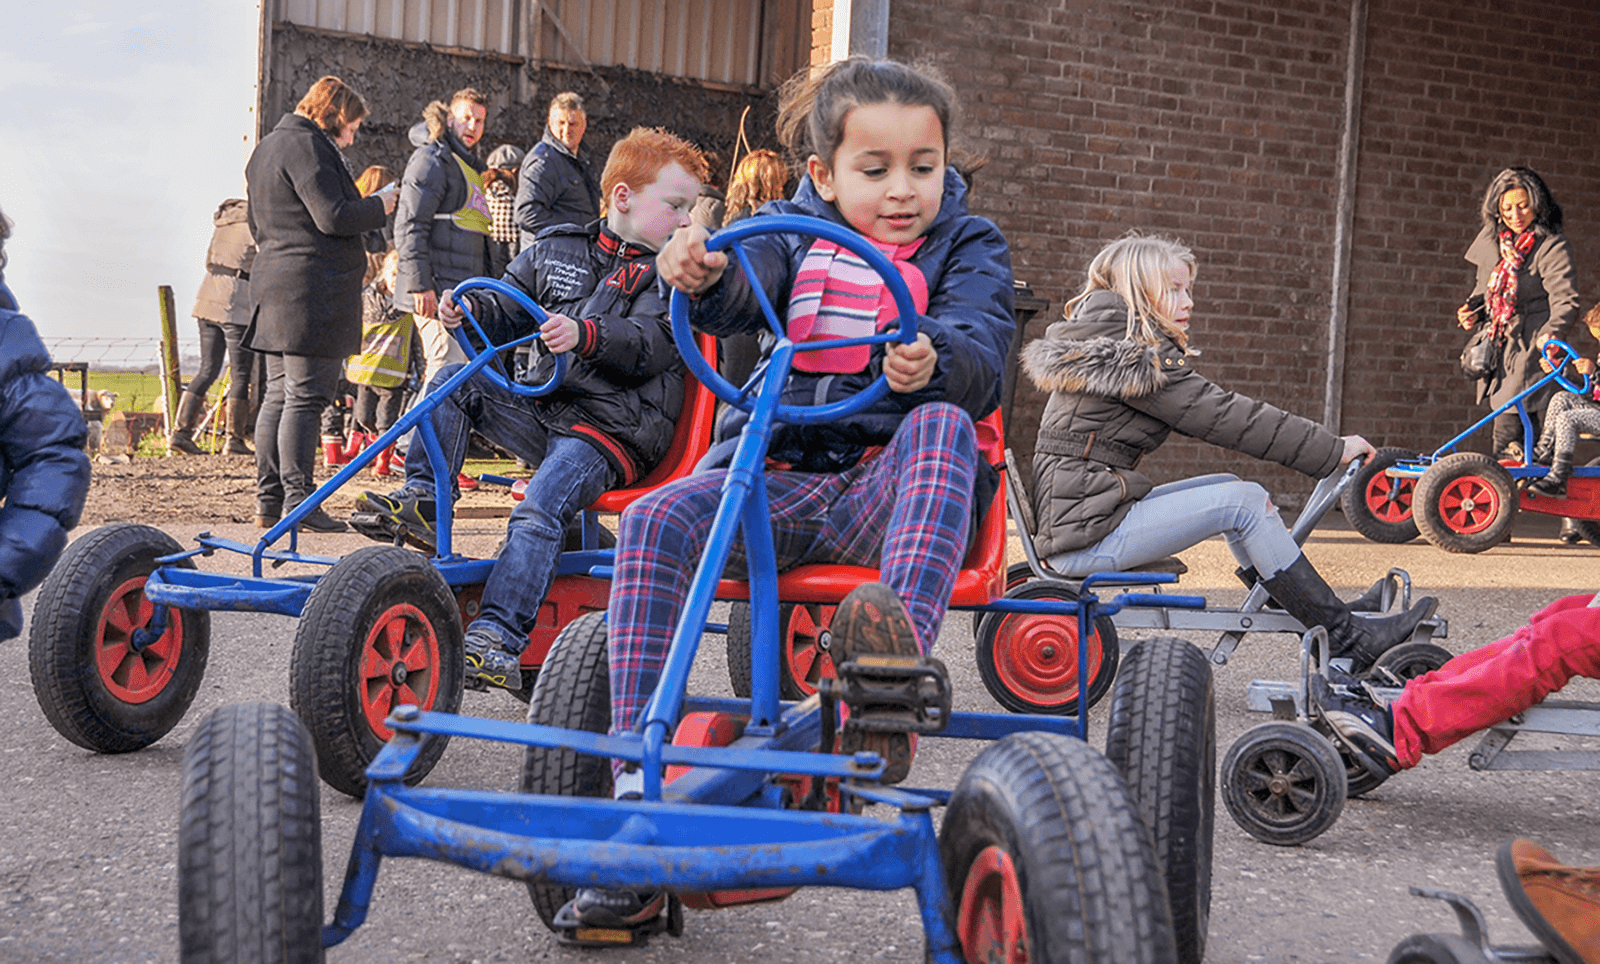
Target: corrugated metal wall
pixel 711 40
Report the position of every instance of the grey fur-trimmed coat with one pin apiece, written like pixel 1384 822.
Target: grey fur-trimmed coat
pixel 1129 397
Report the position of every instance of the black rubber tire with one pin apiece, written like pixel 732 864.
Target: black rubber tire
pixel 998 627
pixel 1371 485
pixel 738 646
pixel 1016 574
pixel 326 673
pixel 1359 781
pixel 250 841
pixel 1407 661
pixel 1437 506
pixel 1299 807
pixel 64 641
pixel 1589 529
pixel 1162 737
pixel 573 692
pixel 1090 882
pixel 1436 949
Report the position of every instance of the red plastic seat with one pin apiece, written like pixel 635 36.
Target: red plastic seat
pixel 982 576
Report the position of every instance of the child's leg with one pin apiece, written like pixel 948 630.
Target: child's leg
pixel 1494 683
pixel 1558 435
pixel 1170 520
pixel 482 406
pixel 909 512
pixel 571 475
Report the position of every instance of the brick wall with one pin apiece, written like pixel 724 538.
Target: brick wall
pixel 1219 123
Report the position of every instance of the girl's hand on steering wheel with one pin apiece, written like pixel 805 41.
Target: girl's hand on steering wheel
pixel 686 265
pixel 560 334
pixel 910 367
pixel 1354 446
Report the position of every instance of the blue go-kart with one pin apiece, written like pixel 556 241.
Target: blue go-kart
pixel 121 627
pixel 1468 501
pixel 1048 851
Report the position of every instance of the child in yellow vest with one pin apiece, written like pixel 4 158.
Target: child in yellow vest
pixel 379 369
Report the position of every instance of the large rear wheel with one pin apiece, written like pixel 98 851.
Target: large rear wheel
pixel 805 648
pixel 1047 859
pixel 1465 502
pixel 1162 736
pixel 1029 662
pixel 381 629
pixel 1380 507
pixel 106 677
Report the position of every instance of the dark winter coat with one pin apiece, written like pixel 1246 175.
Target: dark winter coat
pixel 624 385
pixel 1547 304
pixel 44 474
pixel 554 186
pixel 435 254
pixel 307 218
pixel 1114 400
pixel 224 294
pixel 967 265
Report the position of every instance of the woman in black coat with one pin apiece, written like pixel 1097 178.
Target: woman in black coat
pixel 1524 292
pixel 305 287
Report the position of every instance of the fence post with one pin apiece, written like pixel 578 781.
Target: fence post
pixel 170 375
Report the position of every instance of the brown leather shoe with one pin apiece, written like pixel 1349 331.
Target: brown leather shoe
pixel 1560 904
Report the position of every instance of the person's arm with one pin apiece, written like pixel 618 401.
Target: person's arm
pixel 42 435
pixel 1556 272
pixel 422 187
pixel 535 198
pixel 633 345
pixel 325 188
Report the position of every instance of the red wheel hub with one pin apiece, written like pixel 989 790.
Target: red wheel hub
pixel 1037 657
pixel 807 647
pixel 992 926
pixel 1469 504
pixel 1389 500
pixel 135 674
pixel 399 665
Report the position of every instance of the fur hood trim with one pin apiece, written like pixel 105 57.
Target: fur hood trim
pixel 1096 366
pixel 437 116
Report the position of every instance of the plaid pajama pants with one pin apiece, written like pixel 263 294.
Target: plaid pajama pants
pixel 907 511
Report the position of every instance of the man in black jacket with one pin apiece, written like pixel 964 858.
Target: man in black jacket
pixel 556 185
pixel 608 424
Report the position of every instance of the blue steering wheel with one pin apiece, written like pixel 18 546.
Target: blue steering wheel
pixel 1572 356
pixel 743 398
pixel 494 370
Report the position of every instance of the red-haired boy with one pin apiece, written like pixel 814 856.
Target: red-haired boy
pixel 614 414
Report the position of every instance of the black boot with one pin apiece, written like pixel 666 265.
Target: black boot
pixel 1306 597
pixel 1554 483
pixel 191 408
pixel 1370 601
pixel 1543 450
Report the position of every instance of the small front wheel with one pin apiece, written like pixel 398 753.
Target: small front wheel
pixel 1283 783
pixel 1438 949
pixel 1466 502
pixel 250 841
pixel 1029 661
pixel 1406 662
pixel 1380 507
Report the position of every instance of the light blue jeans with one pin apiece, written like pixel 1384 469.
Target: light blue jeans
pixel 1180 514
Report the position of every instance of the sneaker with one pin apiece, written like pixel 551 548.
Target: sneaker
pixel 872 620
pixel 466 483
pixel 490 661
pixel 1359 723
pixel 611 909
pixel 319 521
pixel 413 508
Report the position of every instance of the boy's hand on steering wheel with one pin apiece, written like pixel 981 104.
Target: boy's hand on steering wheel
pixel 686 265
pixel 1354 446
pixel 559 333
pixel 449 312
pixel 909 368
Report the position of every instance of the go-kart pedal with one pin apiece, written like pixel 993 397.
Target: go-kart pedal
pixel 599 925
pixel 892 689
pixel 396 519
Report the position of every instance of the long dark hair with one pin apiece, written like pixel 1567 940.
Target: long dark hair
pixel 1546 212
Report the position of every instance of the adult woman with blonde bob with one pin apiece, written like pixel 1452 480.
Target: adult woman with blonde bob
pixel 1121 378
pixel 1524 292
pixel 305 287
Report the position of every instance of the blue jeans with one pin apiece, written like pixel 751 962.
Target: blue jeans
pixel 1181 514
pixel 572 474
pixel 503 418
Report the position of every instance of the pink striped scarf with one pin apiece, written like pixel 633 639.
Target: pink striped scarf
pixel 838 295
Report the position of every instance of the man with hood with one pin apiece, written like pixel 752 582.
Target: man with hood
pixel 556 184
pixel 442 222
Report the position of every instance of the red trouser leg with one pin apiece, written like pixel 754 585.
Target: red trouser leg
pixel 1476 690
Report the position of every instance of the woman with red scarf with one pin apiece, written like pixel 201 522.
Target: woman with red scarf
pixel 1525 291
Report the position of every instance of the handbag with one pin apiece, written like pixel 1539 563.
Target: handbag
pixel 1480 357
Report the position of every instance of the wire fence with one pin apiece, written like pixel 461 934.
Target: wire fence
pixel 131 367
